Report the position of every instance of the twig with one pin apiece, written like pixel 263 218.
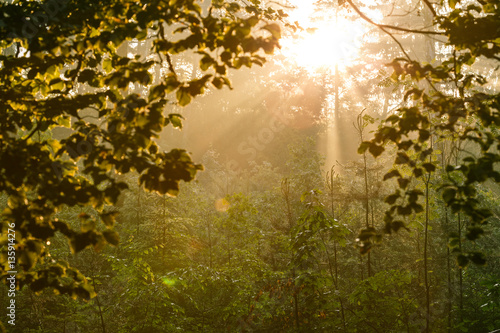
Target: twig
pixel 429 5
pixel 37 127
pixel 392 27
pixel 170 65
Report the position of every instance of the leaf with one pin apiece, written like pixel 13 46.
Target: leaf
pixel 141 35
pixel 109 218
pixel 156 92
pixel 404 210
pixel 107 65
pixel 462 261
pixel 405 145
pixel 396 225
pixel 206 62
pixel 376 150
pixel 478 258
pixel 218 82
pixel 429 167
pixel 403 182
pixel 391 174
pixel 474 233
pixel 175 120
pixel 274 29
pixel 363 147
pixel 402 158
pixel 391 199
pixel 111 237
pixel 78 242
pixel 418 172
pixel 142 140
pixel 57 84
pixel 449 194
pixel 183 96
pixel 423 135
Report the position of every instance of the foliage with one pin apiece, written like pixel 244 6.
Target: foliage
pixel 271 244
pixel 446 101
pixel 385 302
pixel 63 65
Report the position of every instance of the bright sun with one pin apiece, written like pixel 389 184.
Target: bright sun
pixel 324 42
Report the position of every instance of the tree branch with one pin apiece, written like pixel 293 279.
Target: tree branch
pixel 429 5
pixel 392 27
pixel 397 42
pixel 37 127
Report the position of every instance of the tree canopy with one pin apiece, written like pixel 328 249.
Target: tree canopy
pixel 65 64
pixel 447 99
pixel 272 236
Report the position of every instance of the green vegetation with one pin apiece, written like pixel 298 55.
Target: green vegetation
pixel 399 232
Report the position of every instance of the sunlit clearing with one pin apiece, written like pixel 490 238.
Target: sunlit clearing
pixel 221 205
pixel 168 282
pixel 326 41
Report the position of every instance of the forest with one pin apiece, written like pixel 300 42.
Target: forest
pixel 249 166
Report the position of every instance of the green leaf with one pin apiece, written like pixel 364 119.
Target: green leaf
pixel 156 92
pixel 449 194
pixel 206 62
pixel 474 232
pixel 107 65
pixel 183 96
pixel 176 120
pixel 141 35
pixel 478 258
pixel 462 261
pixel 57 84
pixel 363 147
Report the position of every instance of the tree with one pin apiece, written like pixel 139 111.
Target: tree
pixel 64 64
pixel 447 101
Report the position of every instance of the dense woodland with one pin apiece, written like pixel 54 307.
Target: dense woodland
pixel 166 167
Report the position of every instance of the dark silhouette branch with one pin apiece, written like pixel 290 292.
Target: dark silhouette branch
pixel 37 127
pixel 429 5
pixel 397 42
pixel 386 26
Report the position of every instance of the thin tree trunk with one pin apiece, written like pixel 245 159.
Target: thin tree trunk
pixel 426 270
pixel 426 246
pixel 360 125
pixel 335 276
pixel 460 270
pixel 210 243
pixel 99 307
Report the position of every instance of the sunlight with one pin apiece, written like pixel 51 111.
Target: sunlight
pixel 325 42
pixel 168 282
pixel 222 205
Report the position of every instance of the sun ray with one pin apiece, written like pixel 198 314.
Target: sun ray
pixel 328 38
